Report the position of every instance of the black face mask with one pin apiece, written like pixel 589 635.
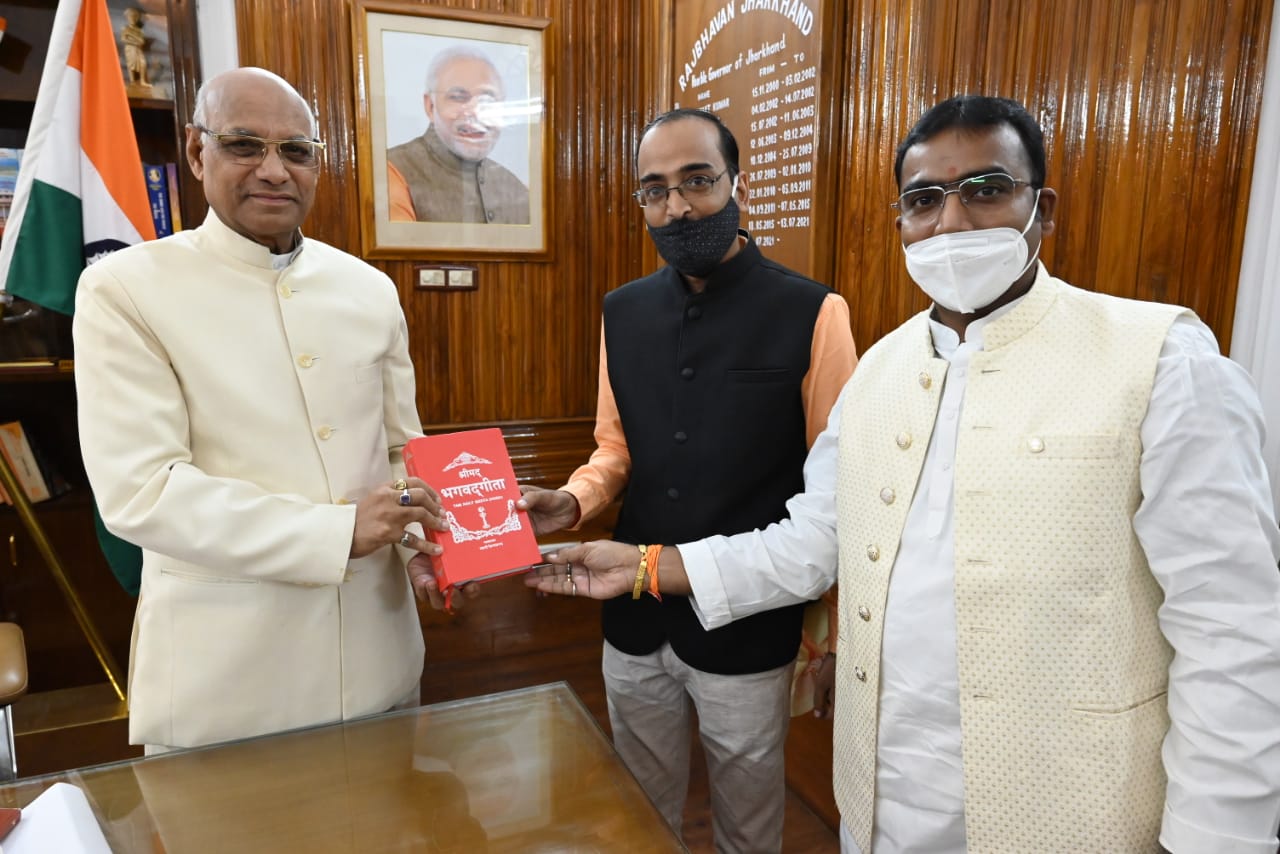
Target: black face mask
pixel 694 247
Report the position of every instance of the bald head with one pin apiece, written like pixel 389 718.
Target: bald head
pixel 238 82
pixel 252 188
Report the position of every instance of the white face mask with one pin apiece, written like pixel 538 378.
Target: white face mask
pixel 968 270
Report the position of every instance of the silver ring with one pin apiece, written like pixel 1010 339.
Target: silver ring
pixel 400 484
pixel 568 572
pixel 573 590
pixel 406 539
pixel 405 498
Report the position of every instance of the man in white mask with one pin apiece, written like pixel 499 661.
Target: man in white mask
pixel 1055 545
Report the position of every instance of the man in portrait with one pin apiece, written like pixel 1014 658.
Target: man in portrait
pixel 447 175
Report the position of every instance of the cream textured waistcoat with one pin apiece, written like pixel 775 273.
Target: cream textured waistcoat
pixel 1062 666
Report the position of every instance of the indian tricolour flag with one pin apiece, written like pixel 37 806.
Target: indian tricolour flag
pixel 81 193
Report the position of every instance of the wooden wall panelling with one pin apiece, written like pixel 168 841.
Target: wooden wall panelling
pixel 829 175
pixel 187 75
pixel 1150 112
pixel 523 346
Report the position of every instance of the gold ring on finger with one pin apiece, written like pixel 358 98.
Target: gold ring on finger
pixel 401 484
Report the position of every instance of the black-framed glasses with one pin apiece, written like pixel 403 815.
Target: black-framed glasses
pixel 979 192
pixel 251 150
pixel 691 188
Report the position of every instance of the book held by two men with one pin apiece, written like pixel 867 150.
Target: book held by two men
pixel 487 537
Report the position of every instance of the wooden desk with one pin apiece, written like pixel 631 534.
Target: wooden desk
pixel 520 771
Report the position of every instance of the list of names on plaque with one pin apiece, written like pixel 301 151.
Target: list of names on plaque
pixel 781 152
pixel 754 64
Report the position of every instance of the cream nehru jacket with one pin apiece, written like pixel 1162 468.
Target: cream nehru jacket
pixel 1062 667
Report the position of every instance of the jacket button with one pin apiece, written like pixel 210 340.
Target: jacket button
pixel 325 432
pixel 1035 445
pixel 903 441
pixel 864 612
pixel 687 373
pixel 873 553
pixel 681 437
pixel 860 674
pixel 489 215
pixel 887 495
pixel 306 360
pixel 673 493
pixel 285 291
pixel 695 312
pixel 925 380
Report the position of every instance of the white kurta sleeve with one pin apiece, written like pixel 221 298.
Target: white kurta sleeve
pixel 791 561
pixel 1209 533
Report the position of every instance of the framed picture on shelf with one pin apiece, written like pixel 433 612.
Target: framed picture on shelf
pixel 453 130
pixel 141 29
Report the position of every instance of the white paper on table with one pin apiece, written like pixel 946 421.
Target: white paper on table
pixel 61 820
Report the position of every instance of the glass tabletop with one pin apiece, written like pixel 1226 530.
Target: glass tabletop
pixel 526 770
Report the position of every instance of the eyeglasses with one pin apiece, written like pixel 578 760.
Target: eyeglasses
pixel 252 150
pixel 988 193
pixel 691 188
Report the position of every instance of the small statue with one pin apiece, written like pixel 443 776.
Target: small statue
pixel 135 53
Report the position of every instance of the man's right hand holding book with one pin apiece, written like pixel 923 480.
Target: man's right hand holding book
pixel 383 518
pixel 549 510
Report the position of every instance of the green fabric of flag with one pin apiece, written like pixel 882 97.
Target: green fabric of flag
pixel 125 559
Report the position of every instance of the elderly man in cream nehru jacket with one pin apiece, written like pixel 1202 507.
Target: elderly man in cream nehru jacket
pixel 1055 542
pixel 244 396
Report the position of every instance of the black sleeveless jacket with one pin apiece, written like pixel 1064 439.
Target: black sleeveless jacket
pixel 708 389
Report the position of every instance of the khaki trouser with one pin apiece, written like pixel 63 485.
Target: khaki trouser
pixel 742 721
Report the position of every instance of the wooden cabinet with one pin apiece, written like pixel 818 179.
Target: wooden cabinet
pixel 36 357
pixel 58 655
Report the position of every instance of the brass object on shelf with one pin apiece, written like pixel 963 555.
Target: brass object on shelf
pixel 20 503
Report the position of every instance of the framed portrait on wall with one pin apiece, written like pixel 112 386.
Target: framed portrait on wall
pixel 452 132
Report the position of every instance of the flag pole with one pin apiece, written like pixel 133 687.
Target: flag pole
pixel 20 503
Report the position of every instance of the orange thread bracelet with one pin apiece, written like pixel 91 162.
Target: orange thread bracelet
pixel 651 558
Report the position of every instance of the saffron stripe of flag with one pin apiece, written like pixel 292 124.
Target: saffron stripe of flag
pixel 80 192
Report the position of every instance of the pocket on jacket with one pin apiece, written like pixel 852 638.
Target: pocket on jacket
pixel 764 375
pixel 194 578
pixel 369 373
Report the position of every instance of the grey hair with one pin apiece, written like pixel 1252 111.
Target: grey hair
pixel 452 54
pixel 200 115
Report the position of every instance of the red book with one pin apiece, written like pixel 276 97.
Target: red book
pixel 487 537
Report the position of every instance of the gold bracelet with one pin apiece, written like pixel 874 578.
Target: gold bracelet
pixel 644 566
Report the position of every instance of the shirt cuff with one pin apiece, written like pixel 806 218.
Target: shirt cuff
pixel 1182 837
pixel 708 597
